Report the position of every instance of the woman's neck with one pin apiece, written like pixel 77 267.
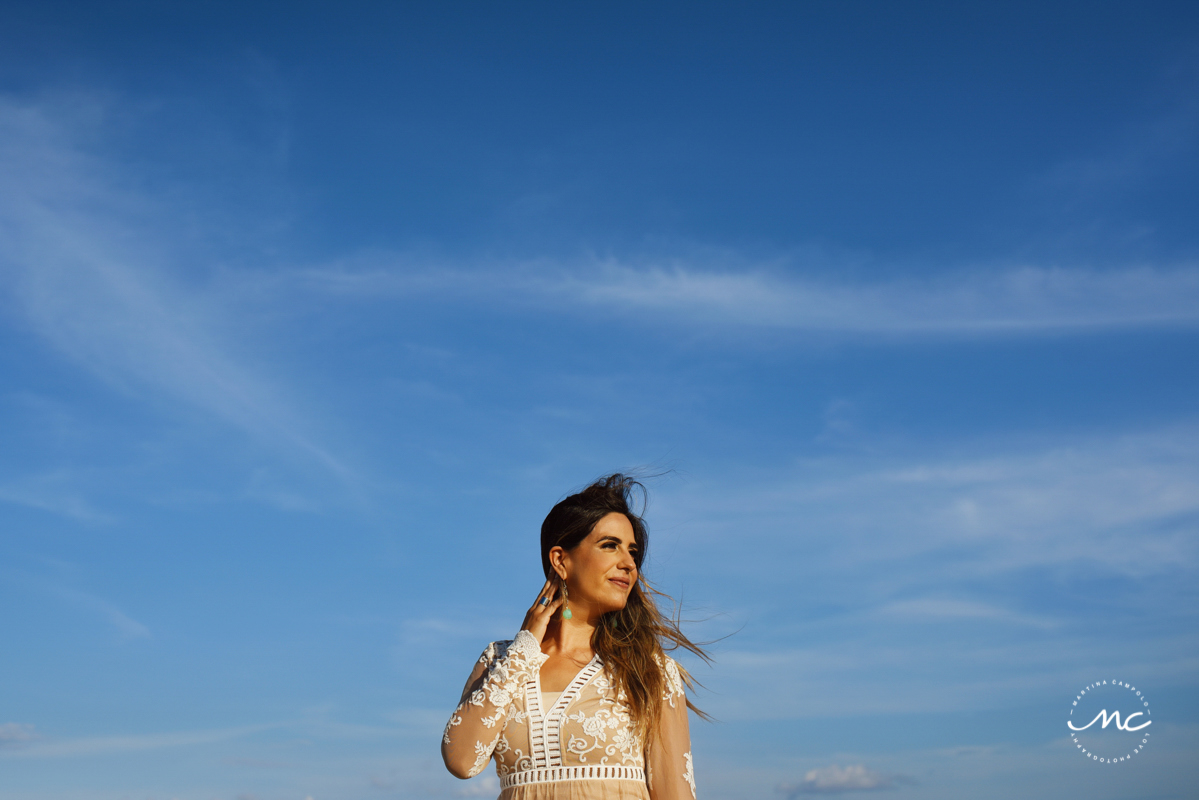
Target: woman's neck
pixel 570 638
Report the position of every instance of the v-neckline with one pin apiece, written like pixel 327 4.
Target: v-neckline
pixel 545 712
pixel 545 724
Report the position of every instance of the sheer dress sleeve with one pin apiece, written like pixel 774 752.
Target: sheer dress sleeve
pixel 476 724
pixel 670 774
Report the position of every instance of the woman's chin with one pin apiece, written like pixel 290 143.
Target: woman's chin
pixel 609 602
pixel 618 605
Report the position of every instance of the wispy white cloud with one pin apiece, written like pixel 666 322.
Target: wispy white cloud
pixel 1128 502
pixel 870 670
pixel 16 734
pixel 835 779
pixel 101 745
pixel 911 582
pixel 997 769
pixel 128 627
pixel 1021 300
pixel 258 763
pixel 55 492
pixel 1017 300
pixel 953 609
pixel 90 604
pixel 1144 148
pixel 88 263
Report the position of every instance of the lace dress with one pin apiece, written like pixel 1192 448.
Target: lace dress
pixel 583 747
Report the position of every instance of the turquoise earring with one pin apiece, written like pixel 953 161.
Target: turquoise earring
pixel 565 599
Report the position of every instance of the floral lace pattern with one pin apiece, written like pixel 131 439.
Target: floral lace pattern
pixel 611 718
pixel 674 682
pixel 507 667
pixel 501 717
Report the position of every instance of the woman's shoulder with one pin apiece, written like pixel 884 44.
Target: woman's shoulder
pixel 674 685
pixel 666 662
pixel 495 650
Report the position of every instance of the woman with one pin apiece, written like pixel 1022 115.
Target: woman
pixel 583 703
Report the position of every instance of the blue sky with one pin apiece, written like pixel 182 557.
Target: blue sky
pixel 309 313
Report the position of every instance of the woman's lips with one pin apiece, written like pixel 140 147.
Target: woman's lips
pixel 618 582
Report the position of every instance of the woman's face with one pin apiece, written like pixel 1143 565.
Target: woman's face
pixel 602 568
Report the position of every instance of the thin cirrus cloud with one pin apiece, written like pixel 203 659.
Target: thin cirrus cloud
pixel 99 745
pixel 125 625
pixel 1124 502
pixel 949 609
pixel 1019 300
pixel 16 734
pixel 85 604
pixel 876 671
pixel 922 564
pixel 1144 148
pixel 54 492
pixel 1002 301
pixel 88 263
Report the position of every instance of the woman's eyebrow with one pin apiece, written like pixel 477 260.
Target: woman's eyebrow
pixel 618 540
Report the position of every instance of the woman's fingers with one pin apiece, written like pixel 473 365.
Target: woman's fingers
pixel 555 600
pixel 537 609
pixel 546 591
pixel 548 601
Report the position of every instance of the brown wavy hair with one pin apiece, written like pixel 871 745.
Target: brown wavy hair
pixel 632 642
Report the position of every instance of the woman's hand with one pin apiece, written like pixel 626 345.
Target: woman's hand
pixel 541 613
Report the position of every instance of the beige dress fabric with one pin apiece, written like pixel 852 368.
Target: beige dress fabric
pixel 583 747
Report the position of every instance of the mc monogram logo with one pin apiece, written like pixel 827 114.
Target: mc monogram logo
pixel 1126 737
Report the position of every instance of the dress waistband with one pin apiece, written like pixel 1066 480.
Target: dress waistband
pixel 583 773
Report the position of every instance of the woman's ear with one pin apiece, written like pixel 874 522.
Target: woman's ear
pixel 558 561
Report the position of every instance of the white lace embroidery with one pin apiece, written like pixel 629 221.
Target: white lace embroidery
pixel 503 748
pixel 510 665
pixel 501 719
pixel 674 682
pixel 612 717
pixel 482 756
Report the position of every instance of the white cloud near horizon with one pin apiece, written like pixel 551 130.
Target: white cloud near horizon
pixel 835 779
pixel 871 672
pixel 986 766
pixel 35 745
pixel 938 582
pixel 16 734
pixel 101 745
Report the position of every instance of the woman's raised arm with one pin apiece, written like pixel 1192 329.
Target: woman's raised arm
pixel 669 771
pixel 476 724
pixel 501 672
